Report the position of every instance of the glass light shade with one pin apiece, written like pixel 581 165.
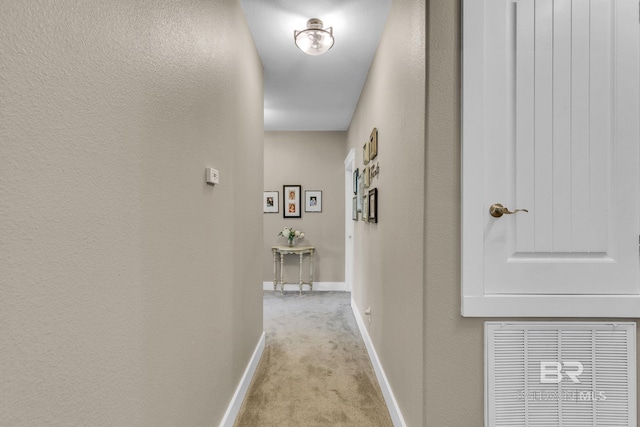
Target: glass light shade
pixel 314 40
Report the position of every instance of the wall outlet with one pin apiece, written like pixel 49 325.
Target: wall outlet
pixel 213 176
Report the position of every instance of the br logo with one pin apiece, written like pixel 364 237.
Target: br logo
pixel 553 372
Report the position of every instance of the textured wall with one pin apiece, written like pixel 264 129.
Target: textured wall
pixel 390 255
pixel 123 299
pixel 314 160
pixel 454 370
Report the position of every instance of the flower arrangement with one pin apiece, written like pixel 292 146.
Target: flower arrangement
pixel 290 234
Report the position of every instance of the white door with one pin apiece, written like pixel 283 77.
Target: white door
pixel 551 113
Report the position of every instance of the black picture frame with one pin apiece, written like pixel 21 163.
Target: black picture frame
pixel 291 201
pixel 356 173
pixel 373 205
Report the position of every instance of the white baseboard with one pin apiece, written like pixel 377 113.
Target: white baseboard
pixel 317 286
pixel 236 402
pixel 392 404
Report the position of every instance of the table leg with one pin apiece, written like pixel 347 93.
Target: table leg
pixel 281 274
pixel 300 273
pixel 311 270
pixel 275 280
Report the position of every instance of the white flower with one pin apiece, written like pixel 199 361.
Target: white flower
pixel 289 233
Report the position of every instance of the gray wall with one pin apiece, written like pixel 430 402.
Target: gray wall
pixel 126 297
pixel 390 255
pixel 314 160
pixel 454 358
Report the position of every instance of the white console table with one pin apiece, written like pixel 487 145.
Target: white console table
pixel 301 251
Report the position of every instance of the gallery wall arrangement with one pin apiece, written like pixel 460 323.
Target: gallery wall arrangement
pixel 292 201
pixel 365 201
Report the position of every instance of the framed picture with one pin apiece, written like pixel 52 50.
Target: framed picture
pixel 356 173
pixel 365 153
pixel 313 201
pixel 373 205
pixel 367 177
pixel 354 210
pixel 291 197
pixel 373 144
pixel 270 202
pixel 365 209
pixel 360 192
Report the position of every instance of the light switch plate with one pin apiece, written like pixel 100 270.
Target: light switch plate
pixel 213 176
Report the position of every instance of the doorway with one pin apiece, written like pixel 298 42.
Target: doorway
pixel 349 252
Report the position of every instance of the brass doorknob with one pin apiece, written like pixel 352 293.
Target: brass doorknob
pixel 497 210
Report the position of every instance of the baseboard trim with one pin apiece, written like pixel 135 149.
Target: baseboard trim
pixel 317 286
pixel 392 404
pixel 236 402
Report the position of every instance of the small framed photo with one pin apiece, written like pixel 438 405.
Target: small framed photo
pixel 367 177
pixel 354 211
pixel 291 198
pixel 373 205
pixel 313 201
pixel 365 208
pixel 356 173
pixel 360 194
pixel 270 202
pixel 365 153
pixel 373 144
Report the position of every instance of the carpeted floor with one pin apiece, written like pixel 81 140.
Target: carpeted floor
pixel 315 370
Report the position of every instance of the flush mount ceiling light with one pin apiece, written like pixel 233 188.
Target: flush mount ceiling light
pixel 314 40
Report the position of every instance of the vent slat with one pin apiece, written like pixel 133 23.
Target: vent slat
pixel 600 357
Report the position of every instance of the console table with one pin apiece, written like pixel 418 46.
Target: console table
pixel 301 251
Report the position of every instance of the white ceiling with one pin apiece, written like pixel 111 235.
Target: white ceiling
pixel 303 92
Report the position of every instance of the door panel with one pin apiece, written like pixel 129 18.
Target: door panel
pixel 525 253
pixel 560 108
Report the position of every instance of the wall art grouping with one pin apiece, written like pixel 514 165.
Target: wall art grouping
pixel 292 201
pixel 365 202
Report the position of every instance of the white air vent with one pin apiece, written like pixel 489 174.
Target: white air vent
pixel 560 374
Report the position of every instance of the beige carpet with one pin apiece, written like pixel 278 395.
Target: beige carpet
pixel 315 370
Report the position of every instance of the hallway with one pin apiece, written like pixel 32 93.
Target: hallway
pixel 315 370
pixel 131 286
